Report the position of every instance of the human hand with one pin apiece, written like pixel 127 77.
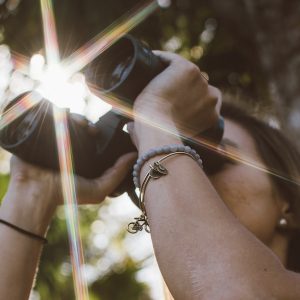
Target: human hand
pixel 180 92
pixel 47 184
pixel 34 193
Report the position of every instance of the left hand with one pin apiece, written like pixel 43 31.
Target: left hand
pixel 34 193
pixel 46 184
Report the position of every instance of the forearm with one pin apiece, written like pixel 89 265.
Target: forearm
pixel 23 207
pixel 199 244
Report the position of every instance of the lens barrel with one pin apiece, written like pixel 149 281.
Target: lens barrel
pixel 125 68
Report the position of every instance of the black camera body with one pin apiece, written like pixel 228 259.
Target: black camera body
pixel 124 70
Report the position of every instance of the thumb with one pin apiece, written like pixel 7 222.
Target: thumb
pixel 113 176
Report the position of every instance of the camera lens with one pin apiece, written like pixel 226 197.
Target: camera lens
pixel 20 129
pixel 114 65
pixel 125 68
pixel 117 71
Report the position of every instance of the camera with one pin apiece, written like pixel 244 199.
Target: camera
pixel 124 70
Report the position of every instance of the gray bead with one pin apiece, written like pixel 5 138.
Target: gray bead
pixel 151 153
pixel 165 149
pixel 157 151
pixel 145 157
pixel 174 148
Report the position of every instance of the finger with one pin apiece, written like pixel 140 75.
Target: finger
pixel 112 178
pixel 217 94
pixel 168 57
pixel 94 191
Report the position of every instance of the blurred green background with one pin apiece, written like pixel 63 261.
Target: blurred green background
pixel 249 48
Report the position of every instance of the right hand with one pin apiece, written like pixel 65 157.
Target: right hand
pixel 182 93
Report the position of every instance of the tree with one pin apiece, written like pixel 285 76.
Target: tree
pixel 271 29
pixel 248 47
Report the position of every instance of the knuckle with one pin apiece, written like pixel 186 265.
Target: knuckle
pixel 193 71
pixel 214 91
pixel 189 69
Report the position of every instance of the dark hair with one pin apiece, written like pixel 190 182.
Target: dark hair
pixel 280 155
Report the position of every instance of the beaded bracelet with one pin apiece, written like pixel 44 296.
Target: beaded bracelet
pixel 157 170
pixel 158 151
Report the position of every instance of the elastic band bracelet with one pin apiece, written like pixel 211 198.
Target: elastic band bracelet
pixel 157 170
pixel 158 151
pixel 25 232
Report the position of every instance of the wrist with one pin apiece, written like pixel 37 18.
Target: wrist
pixel 150 109
pixel 150 137
pixel 155 130
pixel 28 206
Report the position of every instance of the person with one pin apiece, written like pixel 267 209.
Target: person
pixel 225 235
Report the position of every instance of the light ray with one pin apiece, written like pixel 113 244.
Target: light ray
pixel 230 152
pixel 65 158
pixel 240 157
pixel 50 35
pixel 20 62
pixel 73 64
pixel 86 54
pixel 69 195
pixel 18 109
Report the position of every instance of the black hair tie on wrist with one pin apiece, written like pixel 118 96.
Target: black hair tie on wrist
pixel 23 231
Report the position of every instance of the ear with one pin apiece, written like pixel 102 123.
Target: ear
pixel 288 212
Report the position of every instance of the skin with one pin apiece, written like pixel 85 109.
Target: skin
pixel 209 239
pixel 250 193
pixel 187 215
pixel 30 202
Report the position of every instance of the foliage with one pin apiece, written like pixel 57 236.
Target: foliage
pixel 216 35
pixel 194 23
pixel 54 279
pixel 120 285
pixel 4 179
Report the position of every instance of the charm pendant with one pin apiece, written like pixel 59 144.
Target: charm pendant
pixel 157 170
pixel 140 224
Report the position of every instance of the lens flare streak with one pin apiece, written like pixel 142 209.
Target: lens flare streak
pixel 86 54
pixel 239 157
pixel 65 159
pixel 230 153
pixel 50 36
pixel 20 62
pixel 76 62
pixel 70 199
pixel 18 109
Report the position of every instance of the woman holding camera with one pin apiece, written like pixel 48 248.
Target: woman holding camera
pixel 226 235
